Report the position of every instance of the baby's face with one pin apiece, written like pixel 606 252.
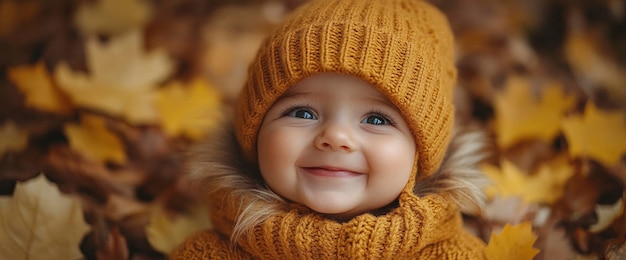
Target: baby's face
pixel 335 144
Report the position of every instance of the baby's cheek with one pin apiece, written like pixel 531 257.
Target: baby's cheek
pixel 277 149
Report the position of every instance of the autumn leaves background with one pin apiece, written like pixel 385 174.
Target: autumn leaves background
pixel 106 96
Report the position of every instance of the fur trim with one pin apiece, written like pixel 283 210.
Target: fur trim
pixel 459 176
pixel 219 173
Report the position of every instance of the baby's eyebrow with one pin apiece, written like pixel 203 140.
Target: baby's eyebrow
pixel 293 94
pixel 292 97
pixel 383 102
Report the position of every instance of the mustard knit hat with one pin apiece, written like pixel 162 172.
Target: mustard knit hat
pixel 402 47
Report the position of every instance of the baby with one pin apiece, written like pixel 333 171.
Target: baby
pixel 342 144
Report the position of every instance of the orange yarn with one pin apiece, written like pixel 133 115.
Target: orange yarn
pixel 424 228
pixel 403 47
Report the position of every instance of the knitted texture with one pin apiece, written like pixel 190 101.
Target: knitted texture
pixel 428 228
pixel 402 234
pixel 402 47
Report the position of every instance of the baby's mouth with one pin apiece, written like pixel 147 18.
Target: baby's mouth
pixel 328 171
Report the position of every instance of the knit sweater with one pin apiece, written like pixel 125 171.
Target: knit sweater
pixel 420 227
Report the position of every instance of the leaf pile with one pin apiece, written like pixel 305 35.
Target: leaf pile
pixel 104 97
pixel 546 79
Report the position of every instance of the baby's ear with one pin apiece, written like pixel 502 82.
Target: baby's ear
pixel 459 176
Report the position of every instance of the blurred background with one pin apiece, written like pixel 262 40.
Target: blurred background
pixel 101 100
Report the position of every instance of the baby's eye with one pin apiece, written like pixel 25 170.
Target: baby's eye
pixel 303 113
pixel 375 119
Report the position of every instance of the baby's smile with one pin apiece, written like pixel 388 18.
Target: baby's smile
pixel 330 171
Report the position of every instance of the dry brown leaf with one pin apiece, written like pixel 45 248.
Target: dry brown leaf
pixel 616 249
pixel 165 232
pixel 582 194
pixel 122 78
pixel 606 215
pixel 12 138
pixel 231 42
pixel 519 115
pixel 513 243
pixel 597 134
pixel 39 222
pixel 189 110
pixel 555 244
pixel 115 248
pixel 41 93
pixel 73 171
pixel 119 207
pixel 112 16
pixel 94 140
pixel 13 13
pixel 502 210
pixel 582 51
pixel 529 154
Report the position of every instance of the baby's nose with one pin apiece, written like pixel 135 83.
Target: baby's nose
pixel 336 137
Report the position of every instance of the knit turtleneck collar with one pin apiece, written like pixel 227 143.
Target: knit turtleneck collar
pixel 302 234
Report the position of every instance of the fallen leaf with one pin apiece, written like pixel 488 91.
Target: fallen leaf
pixel 529 154
pixel 230 43
pixel 597 134
pixel 514 243
pixel 556 245
pixel 94 140
pixel 188 110
pixel 122 78
pixel 547 184
pixel 544 186
pixel 583 192
pixel 116 246
pixel 582 52
pixel 14 13
pixel 616 249
pixel 119 207
pixel 11 138
pixel 39 222
pixel 36 84
pixel 509 210
pixel 519 115
pixel 165 232
pixel 112 16
pixel 72 171
pixel 606 215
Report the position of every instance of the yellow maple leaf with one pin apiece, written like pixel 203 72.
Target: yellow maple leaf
pixel 188 110
pixel 513 243
pixel 122 78
pixel 36 84
pixel 519 115
pixel 11 138
pixel 94 140
pixel 112 16
pixel 597 134
pixel 545 186
pixel 39 222
pixel 166 232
